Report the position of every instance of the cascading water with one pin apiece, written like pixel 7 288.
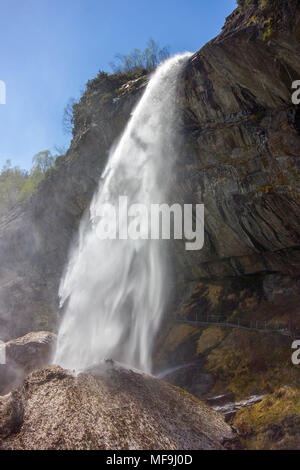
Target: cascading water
pixel 114 291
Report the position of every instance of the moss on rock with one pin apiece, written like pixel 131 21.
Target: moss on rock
pixel 210 339
pixel 272 424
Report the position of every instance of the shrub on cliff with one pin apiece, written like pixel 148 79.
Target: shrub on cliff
pixel 126 67
pixel 261 4
pixel 137 59
pixel 12 181
pixel 18 185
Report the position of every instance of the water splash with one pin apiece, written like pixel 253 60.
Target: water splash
pixel 114 291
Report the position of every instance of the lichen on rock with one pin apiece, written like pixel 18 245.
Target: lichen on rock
pixel 108 407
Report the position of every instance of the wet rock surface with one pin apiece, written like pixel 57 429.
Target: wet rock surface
pixel 192 377
pixel 226 405
pixel 108 407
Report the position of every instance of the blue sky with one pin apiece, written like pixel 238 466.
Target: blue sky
pixel 50 48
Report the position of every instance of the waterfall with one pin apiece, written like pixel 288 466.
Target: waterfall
pixel 114 291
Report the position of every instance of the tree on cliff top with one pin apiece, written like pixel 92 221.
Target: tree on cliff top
pixel 139 59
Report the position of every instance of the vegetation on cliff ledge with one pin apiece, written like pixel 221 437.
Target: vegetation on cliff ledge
pixel 17 185
pixel 126 68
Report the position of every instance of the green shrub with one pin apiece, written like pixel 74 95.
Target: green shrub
pixel 17 186
pixel 139 59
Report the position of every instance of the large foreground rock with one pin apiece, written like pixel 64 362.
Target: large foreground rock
pixel 24 355
pixel 109 407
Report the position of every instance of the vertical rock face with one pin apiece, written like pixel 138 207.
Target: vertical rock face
pixel 240 158
pixel 242 144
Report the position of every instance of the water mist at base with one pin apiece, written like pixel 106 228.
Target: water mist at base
pixel 114 291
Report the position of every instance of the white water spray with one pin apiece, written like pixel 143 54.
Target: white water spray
pixel 114 291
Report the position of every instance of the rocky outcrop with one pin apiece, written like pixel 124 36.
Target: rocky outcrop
pixel 108 407
pixel 23 355
pixel 273 423
pixel 11 415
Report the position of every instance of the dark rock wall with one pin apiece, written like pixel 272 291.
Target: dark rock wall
pixel 241 152
pixel 241 159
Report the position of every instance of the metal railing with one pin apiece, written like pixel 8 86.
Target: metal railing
pixel 255 325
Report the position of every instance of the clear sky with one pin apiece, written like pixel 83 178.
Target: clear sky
pixel 50 48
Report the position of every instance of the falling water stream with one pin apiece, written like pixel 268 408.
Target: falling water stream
pixel 114 291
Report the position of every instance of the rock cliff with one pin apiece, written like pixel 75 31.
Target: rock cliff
pixel 241 159
pixel 241 145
